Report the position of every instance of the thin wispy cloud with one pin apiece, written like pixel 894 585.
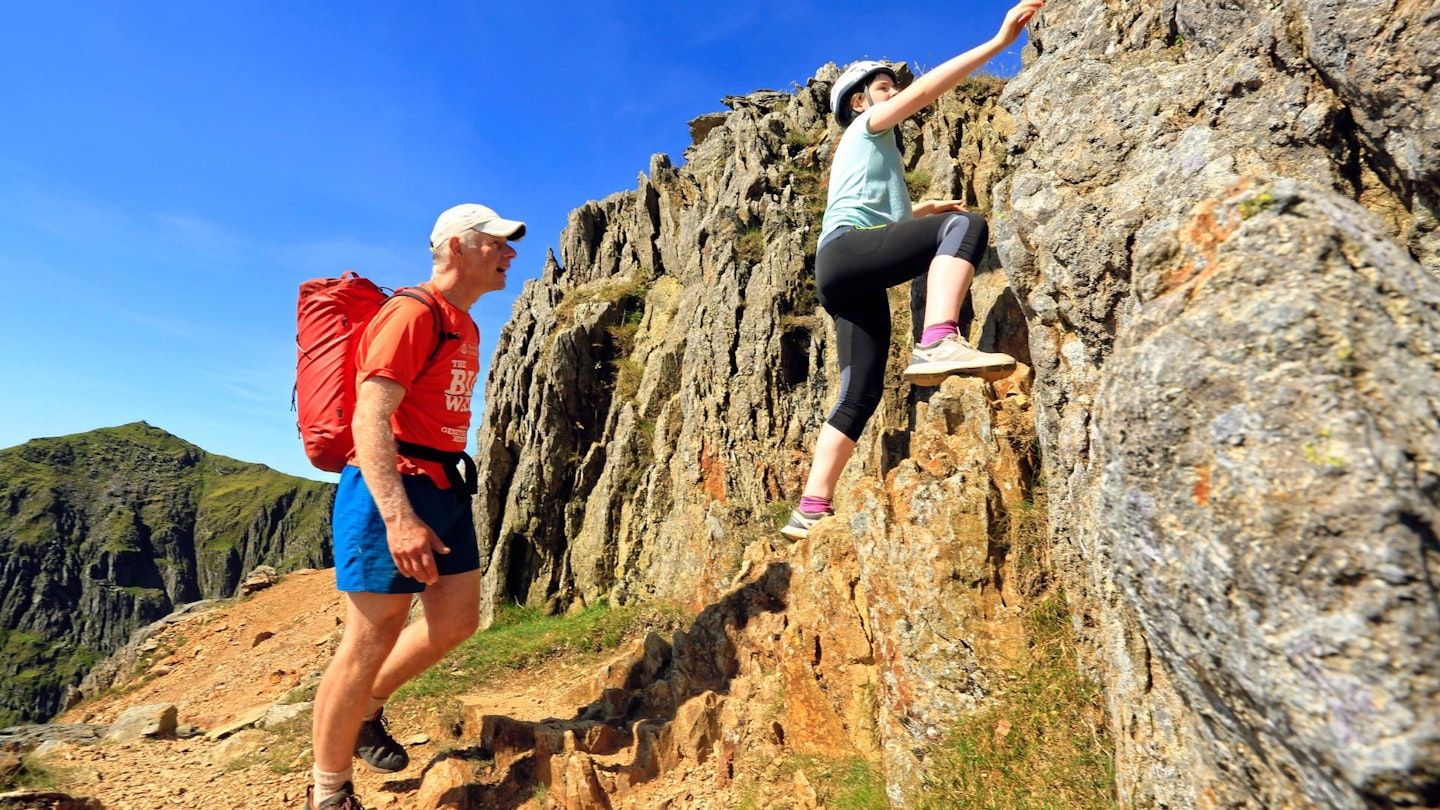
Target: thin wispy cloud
pixel 334 255
pixel 195 240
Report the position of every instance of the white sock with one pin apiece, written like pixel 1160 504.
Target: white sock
pixel 328 784
pixel 375 705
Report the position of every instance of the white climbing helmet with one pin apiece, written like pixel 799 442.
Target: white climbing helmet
pixel 855 77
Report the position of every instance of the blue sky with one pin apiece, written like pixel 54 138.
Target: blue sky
pixel 171 171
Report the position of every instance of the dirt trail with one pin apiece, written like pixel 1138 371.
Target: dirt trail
pixel 217 665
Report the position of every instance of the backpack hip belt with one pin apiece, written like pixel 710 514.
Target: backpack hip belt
pixel 466 484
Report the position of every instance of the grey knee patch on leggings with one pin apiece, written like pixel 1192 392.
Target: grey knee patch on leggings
pixel 854 408
pixel 964 236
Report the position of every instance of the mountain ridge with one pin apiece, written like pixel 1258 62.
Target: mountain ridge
pixel 105 531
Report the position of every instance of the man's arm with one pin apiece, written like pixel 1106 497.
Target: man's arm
pixel 409 537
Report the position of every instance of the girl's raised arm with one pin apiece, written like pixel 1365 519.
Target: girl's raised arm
pixel 925 89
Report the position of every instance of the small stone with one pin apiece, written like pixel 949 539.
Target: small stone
pixel 243 744
pixel 259 579
pixel 418 739
pixel 284 713
pixel 157 720
pixel 442 785
pixel 10 765
pixel 243 720
pixel 54 748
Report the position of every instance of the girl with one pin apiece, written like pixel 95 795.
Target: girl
pixel 872 239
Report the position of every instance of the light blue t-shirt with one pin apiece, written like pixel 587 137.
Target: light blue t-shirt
pixel 867 180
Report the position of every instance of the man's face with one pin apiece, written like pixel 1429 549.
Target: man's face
pixel 486 259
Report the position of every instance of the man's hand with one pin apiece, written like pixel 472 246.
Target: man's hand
pixel 926 208
pixel 413 546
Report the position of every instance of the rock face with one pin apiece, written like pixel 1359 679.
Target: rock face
pixel 1221 223
pixel 1217 225
pixel 105 532
pixel 649 419
pixel 643 382
pixel 663 381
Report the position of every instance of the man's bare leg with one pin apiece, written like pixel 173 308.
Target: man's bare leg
pixel 373 622
pixel 452 614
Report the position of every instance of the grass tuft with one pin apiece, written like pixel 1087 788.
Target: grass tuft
pixel 854 783
pixel 809 181
pixel 523 636
pixel 1042 745
pixel 628 374
pixel 802 138
pixel 750 247
pixel 37 773
pixel 780 511
pixel 980 86
pixel 918 182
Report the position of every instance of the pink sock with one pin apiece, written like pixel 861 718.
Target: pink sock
pixel 814 506
pixel 937 331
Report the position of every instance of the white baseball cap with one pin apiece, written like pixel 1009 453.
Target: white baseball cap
pixel 472 217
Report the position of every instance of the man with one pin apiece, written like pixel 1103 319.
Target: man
pixel 402 522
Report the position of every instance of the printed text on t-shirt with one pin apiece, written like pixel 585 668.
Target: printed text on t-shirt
pixel 462 385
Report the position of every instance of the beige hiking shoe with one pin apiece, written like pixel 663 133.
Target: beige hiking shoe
pixel 929 365
pixel 801 522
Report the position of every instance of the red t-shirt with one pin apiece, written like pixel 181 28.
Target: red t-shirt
pixel 436 409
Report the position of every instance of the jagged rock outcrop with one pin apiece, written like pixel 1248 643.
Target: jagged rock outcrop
pixel 649 417
pixel 1217 225
pixel 1221 222
pixel 102 533
pixel 614 428
pixel 665 376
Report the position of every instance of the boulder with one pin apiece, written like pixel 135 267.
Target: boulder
pixel 156 721
pixel 237 747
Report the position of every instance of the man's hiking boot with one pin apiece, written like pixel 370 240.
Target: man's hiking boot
pixel 800 523
pixel 377 749
pixel 344 800
pixel 930 365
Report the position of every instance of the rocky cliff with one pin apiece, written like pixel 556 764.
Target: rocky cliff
pixel 104 532
pixel 649 420
pixel 664 378
pixel 1220 219
pixel 1216 241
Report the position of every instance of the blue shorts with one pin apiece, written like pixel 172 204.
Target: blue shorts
pixel 362 553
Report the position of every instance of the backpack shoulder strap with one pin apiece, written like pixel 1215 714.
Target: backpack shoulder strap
pixel 428 298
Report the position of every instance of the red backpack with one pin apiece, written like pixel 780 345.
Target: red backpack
pixel 331 316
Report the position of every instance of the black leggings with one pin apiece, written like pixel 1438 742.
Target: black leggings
pixel 853 269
